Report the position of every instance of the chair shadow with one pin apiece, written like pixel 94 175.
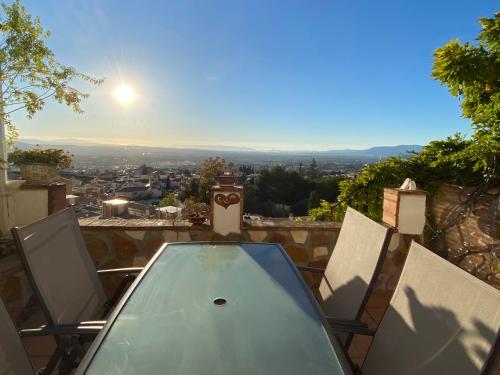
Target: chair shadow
pixel 435 340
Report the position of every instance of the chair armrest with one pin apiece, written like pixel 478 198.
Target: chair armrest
pixel 86 323
pixel 346 322
pixel 311 269
pixel 115 271
pixel 357 330
pixel 67 329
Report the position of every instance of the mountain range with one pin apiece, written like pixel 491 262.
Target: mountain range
pixel 81 148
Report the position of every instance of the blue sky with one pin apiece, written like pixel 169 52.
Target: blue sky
pixel 308 75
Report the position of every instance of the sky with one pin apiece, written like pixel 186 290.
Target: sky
pixel 269 75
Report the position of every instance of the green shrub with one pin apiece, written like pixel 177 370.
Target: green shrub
pixel 51 156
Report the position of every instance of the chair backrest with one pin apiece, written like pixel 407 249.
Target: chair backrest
pixel 60 268
pixel 353 266
pixel 13 358
pixel 441 320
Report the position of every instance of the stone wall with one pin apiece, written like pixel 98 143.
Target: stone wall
pixel 466 229
pixel 115 243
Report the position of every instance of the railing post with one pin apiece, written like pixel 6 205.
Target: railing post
pixel 226 206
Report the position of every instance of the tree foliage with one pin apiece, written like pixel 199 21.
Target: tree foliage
pixel 471 73
pixel 29 72
pixel 169 200
pixel 52 156
pixel 212 167
pixel 313 171
pixel 278 192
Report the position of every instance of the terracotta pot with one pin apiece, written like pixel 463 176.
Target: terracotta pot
pixel 227 180
pixel 196 219
pixel 38 174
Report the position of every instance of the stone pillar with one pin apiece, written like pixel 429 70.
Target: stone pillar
pixel 404 210
pixel 226 204
pixel 56 197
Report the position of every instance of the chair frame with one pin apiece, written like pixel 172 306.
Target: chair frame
pixel 129 276
pixel 340 325
pixel 80 329
pixel 489 365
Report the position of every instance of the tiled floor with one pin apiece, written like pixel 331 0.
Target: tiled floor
pixel 39 349
pixel 375 308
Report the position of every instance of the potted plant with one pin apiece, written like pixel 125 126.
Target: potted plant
pixel 229 177
pixel 38 166
pixel 196 212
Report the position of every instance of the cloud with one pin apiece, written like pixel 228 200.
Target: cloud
pixel 212 78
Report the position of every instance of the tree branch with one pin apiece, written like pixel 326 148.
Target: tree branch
pixel 25 105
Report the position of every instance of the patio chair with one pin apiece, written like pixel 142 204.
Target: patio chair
pixel 441 320
pixel 352 270
pixel 61 271
pixel 13 357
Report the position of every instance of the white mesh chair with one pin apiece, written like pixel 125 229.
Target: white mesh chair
pixel 441 320
pixel 13 357
pixel 61 271
pixel 352 269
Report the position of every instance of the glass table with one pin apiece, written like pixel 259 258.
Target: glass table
pixel 217 308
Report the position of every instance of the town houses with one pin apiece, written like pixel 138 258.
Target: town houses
pixel 142 187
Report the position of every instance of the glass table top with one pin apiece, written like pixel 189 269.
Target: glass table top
pixel 217 309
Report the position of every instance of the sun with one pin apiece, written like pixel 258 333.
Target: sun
pixel 124 94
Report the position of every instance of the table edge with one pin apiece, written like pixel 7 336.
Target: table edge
pixel 338 348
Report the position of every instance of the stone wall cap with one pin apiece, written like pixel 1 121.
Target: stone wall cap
pixel 138 224
pixel 278 223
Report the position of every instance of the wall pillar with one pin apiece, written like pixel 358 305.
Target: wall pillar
pixel 226 203
pixel 404 210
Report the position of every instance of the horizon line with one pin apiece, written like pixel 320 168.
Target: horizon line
pixel 86 142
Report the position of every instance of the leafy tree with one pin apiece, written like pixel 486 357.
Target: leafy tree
pixel 169 200
pixel 324 212
pixel 29 73
pixel 278 186
pixel 438 162
pixel 245 170
pixel 328 187
pixel 314 200
pixel 211 168
pixel 472 73
pixel 281 186
pixel 301 169
pixel 313 171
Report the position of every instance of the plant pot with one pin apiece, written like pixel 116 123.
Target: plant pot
pixel 196 219
pixel 227 180
pixel 38 174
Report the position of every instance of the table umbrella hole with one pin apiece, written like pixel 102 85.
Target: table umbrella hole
pixel 220 301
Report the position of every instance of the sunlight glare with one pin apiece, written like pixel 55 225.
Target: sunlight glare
pixel 124 94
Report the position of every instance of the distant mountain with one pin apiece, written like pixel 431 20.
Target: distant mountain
pixel 378 152
pixel 193 153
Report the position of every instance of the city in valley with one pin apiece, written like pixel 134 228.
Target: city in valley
pixel 144 176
